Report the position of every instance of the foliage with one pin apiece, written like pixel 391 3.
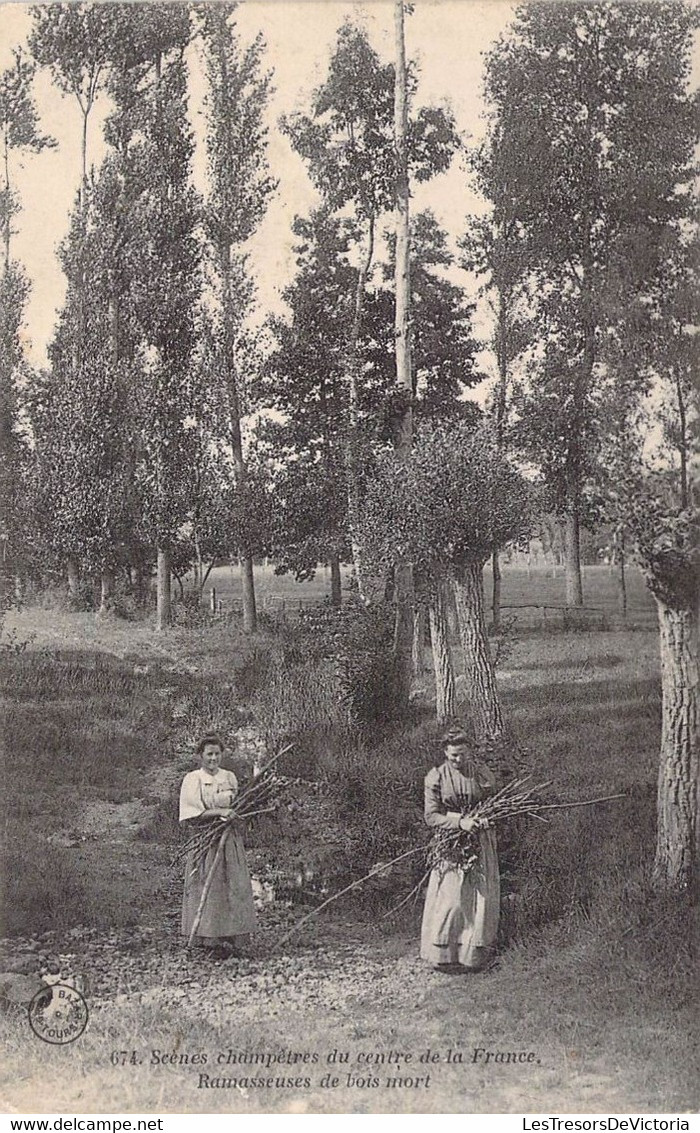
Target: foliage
pixel 588 166
pixel 19 130
pixel 348 139
pixel 443 347
pixel 453 502
pixel 74 42
pixel 303 384
pixel 334 680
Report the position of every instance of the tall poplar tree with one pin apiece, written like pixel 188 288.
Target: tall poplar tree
pixel 590 123
pixel 348 143
pixel 74 41
pixel 19 133
pixel 238 191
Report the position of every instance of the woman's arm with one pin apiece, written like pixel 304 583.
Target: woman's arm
pixel 437 816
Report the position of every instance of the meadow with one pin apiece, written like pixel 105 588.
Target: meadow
pixel 596 974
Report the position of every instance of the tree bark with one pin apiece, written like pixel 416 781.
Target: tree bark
pixel 418 639
pixel 8 211
pixel 445 695
pixel 164 615
pixel 351 447
pixel 482 691
pixel 250 613
pixel 73 575
pixel 496 591
pixel 336 581
pixel 676 862
pixel 106 589
pixel 403 634
pixel 572 552
pixel 621 577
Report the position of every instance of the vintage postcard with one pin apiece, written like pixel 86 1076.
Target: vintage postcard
pixel 349 568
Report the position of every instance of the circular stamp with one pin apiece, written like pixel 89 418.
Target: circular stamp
pixel 58 1014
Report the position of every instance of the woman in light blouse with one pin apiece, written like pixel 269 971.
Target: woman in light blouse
pixel 207 794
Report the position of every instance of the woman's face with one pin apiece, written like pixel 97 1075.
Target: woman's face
pixel 456 754
pixel 211 758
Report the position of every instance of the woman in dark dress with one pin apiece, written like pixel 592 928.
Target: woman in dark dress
pixel 462 905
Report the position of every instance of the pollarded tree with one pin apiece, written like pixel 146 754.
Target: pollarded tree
pixel 592 120
pixel 651 491
pixel 445 510
pixel 239 190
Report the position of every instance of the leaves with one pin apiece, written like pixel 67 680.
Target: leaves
pixel 454 502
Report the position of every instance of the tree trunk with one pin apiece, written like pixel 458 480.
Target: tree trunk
pixel 480 674
pixel 106 589
pixel 572 552
pixel 336 581
pixel 250 613
pixel 250 616
pixel 621 578
pixel 418 639
pixel 164 615
pixel 445 696
pixel 496 591
pixel 678 822
pixel 403 635
pixel 73 575
pixel 351 446
pixel 139 586
pixel 8 211
pixel 198 570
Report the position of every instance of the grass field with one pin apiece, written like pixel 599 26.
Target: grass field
pixel 523 593
pixel 596 975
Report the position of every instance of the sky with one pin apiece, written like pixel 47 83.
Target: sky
pixel 448 38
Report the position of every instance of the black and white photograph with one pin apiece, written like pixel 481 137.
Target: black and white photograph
pixel 350 558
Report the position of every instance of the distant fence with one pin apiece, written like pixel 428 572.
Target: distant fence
pixel 545 615
pixel 549 616
pixel 280 608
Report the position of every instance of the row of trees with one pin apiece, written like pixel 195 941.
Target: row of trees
pixel 128 455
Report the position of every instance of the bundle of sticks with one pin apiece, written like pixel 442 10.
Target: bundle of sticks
pixel 449 848
pixel 262 796
pixel 459 847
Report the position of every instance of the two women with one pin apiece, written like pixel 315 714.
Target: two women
pixel 462 904
pixel 227 911
pixel 460 918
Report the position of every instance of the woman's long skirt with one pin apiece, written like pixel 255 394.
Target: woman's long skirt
pixel 228 909
pixel 460 917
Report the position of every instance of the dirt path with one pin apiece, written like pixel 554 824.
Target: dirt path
pixel 345 989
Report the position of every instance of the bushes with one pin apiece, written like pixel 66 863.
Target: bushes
pixel 332 679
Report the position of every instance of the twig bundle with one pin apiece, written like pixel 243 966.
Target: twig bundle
pixel 457 847
pixel 449 848
pixel 262 796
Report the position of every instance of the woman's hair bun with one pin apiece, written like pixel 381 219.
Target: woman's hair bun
pixel 209 738
pixel 455 736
